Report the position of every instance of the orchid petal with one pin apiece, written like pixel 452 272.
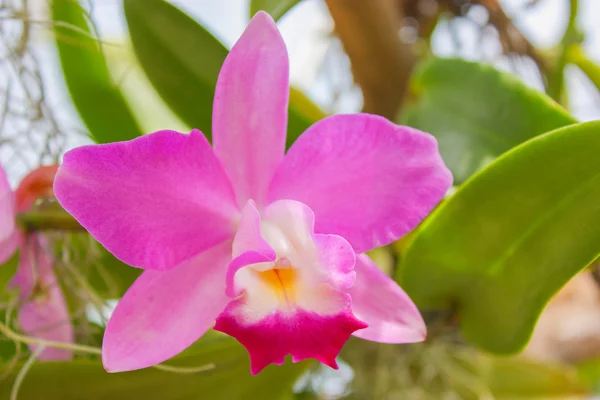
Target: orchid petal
pixel 9 245
pixel 249 247
pixel 250 109
pixel 293 221
pixel 164 312
pixel 332 254
pixel 8 242
pixel 154 201
pixel 379 301
pixel 248 236
pixel 366 179
pixel 43 314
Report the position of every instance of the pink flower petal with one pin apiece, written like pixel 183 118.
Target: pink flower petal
pixel 43 313
pixel 379 301
pixel 366 179
pixel 154 201
pixel 8 243
pixel 164 312
pixel 250 109
pixel 249 247
pixel 303 334
pixel 328 255
pixel 248 236
pixel 337 255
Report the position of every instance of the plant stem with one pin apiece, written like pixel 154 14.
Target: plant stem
pixel 48 220
pixel 571 37
pixel 47 343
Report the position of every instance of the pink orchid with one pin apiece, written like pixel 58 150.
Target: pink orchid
pixel 265 245
pixel 43 311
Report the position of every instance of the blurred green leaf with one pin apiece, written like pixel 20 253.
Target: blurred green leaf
pixel 229 380
pixel 511 237
pixel 182 60
pixel 98 101
pixel 516 378
pixel 577 57
pixel 589 373
pixel 477 112
pixel 444 369
pixel 7 271
pixel 150 110
pixel 302 114
pixel 277 8
pixel 477 376
pixel 179 56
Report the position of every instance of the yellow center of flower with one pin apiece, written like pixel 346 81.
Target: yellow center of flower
pixel 282 281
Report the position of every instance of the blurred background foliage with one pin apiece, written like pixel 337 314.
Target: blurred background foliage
pixel 490 263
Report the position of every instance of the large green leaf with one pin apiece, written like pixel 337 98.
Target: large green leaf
pixel 277 8
pixel 97 99
pixel 182 60
pixel 229 380
pixel 477 112
pixel 510 237
pixel 179 56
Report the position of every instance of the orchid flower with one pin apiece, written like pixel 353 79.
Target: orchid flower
pixel 268 246
pixel 43 311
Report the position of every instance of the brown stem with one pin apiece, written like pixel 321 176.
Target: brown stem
pixel 511 38
pixel 381 63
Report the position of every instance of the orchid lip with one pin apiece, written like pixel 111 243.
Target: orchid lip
pixel 297 286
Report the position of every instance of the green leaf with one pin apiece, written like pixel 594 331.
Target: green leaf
pixel 589 373
pixel 477 112
pixel 230 379
pixel 7 270
pixel 277 8
pixel 179 56
pixel 302 114
pixel 511 237
pixel 97 99
pixel 182 60
pixel 146 104
pixel 477 375
pixel 516 378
